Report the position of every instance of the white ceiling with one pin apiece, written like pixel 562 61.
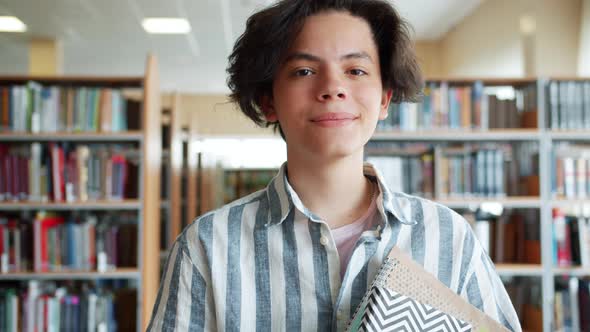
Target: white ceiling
pixel 105 37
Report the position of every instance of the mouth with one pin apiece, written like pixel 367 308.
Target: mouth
pixel 334 119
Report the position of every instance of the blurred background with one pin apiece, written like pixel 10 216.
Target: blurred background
pixel 116 133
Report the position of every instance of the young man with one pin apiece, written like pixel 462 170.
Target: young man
pixel 300 254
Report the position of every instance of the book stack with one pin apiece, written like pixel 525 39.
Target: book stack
pixel 571 236
pixel 36 108
pixel 514 237
pixel 66 172
pixel 52 243
pixel 241 182
pixel 47 307
pixel 407 168
pixel 463 106
pixel 572 304
pixel 571 176
pixel 568 104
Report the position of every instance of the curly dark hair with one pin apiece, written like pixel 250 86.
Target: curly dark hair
pixel 259 52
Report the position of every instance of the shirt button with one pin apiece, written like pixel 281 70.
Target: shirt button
pixel 324 240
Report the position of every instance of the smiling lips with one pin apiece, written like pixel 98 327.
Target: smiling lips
pixel 334 119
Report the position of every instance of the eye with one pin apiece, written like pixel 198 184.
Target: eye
pixel 357 72
pixel 303 72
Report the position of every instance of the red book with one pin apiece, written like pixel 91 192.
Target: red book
pixel 41 226
pixel 3 172
pixel 562 238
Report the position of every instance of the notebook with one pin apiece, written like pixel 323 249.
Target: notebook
pixel 405 297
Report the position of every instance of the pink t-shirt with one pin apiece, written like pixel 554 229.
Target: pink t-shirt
pixel 346 236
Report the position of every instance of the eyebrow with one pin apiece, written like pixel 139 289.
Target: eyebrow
pixel 314 58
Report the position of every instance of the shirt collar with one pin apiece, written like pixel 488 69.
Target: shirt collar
pixel 283 198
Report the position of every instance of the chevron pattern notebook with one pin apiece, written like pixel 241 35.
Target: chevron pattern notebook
pixel 405 297
pixel 391 311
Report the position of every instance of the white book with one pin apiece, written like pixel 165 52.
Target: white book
pixel 92 312
pixel 574 305
pixel 32 294
pixel 482 231
pixel 581 177
pixel 569 177
pixel 51 316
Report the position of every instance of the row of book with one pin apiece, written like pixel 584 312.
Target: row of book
pixel 241 182
pixel 511 238
pixel 50 243
pixel 571 304
pixel 571 236
pixel 474 172
pixel 463 107
pixel 45 307
pixel 571 165
pixel 466 170
pixel 36 108
pixel 405 170
pixel 66 172
pixel 569 104
pixel 526 296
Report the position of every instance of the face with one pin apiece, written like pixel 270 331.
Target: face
pixel 327 94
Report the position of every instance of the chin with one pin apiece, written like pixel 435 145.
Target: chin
pixel 337 151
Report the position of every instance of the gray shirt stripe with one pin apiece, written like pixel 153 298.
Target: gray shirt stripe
pixel 418 240
pixel 290 264
pixel 234 287
pixel 445 246
pixel 263 318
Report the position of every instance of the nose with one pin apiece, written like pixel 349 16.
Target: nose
pixel 331 88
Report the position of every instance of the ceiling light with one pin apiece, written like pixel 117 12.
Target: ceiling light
pixel 11 24
pixel 166 25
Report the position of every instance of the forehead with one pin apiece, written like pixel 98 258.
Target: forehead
pixel 333 34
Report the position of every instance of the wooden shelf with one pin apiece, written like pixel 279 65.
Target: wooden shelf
pixel 519 269
pixel 578 134
pixel 128 204
pixel 487 81
pixel 572 271
pixel 568 202
pixel 459 135
pixel 119 81
pixel 120 273
pixel 128 136
pixel 508 202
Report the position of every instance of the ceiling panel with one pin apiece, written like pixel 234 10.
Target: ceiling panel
pixel 106 38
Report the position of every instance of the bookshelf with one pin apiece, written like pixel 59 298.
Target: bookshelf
pixel 537 109
pixel 172 175
pixel 141 133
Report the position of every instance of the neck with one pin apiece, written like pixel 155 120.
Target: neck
pixel 337 191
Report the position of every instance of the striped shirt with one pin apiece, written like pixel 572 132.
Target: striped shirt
pixel 267 263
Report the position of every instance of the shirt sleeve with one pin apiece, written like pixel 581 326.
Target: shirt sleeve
pixel 484 290
pixel 182 298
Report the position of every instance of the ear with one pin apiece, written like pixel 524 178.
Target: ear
pixel 384 107
pixel 268 109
